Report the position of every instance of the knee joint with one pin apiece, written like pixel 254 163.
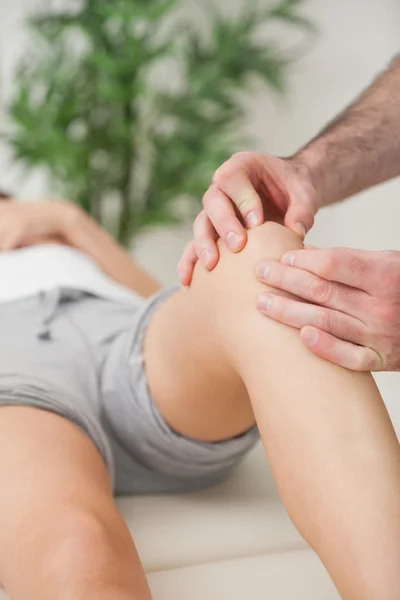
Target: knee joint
pixel 270 241
pixel 80 546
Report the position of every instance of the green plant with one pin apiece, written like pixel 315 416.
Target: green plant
pixel 126 100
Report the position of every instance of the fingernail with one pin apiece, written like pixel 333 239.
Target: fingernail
pixel 264 302
pixel 262 271
pixel 205 257
pixel 300 229
pixel 288 259
pixel 233 240
pixel 252 219
pixel 309 336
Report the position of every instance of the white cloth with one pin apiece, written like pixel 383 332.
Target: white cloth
pixel 28 271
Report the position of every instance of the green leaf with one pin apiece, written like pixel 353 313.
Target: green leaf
pixel 128 99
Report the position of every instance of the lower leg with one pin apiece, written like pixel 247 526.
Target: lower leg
pixel 61 534
pixel 326 432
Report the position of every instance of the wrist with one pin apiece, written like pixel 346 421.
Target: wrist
pixel 308 163
pixel 306 173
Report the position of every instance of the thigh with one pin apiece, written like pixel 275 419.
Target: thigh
pixel 193 385
pixel 47 363
pixel 153 369
pixel 192 340
pixel 56 508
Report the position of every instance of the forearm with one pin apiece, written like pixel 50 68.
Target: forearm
pixel 83 233
pixel 361 147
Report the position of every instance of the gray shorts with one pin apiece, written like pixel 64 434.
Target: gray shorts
pixel 81 357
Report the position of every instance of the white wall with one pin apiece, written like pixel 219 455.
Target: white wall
pixel 356 39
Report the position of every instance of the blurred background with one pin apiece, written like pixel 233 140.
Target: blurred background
pixel 206 77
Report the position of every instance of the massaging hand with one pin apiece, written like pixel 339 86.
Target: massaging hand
pixel 23 224
pixel 262 188
pixel 352 317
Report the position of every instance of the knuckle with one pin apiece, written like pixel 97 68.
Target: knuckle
pixel 199 223
pixel 363 335
pixel 245 202
pixel 385 314
pixel 326 321
pixel 228 169
pixel 223 173
pixel 328 265
pixel 354 332
pixel 320 290
pixel 337 257
pixel 208 197
pixel 201 217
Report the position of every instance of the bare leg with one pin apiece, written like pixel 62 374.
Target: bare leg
pixel 326 432
pixel 61 534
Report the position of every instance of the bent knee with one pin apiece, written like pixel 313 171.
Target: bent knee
pixel 268 241
pixel 225 298
pixel 233 283
pixel 79 545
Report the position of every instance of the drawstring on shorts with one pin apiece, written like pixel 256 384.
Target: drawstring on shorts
pixel 51 302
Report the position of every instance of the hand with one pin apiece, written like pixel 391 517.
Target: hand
pixel 260 187
pixel 352 313
pixel 24 224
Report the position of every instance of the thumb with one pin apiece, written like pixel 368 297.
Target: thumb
pixel 299 218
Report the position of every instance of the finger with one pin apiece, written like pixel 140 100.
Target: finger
pixel 299 314
pixel 345 354
pixel 187 263
pixel 221 214
pixel 312 288
pixel 234 182
pixel 344 265
pixel 299 218
pixel 205 237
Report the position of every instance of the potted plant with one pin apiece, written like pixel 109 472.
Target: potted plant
pixel 130 106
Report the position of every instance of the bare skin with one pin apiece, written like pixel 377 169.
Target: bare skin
pixel 358 149
pixel 61 534
pixel 62 222
pixel 325 430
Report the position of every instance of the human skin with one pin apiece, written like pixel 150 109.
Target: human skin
pixel 326 433
pixel 25 224
pixel 357 150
